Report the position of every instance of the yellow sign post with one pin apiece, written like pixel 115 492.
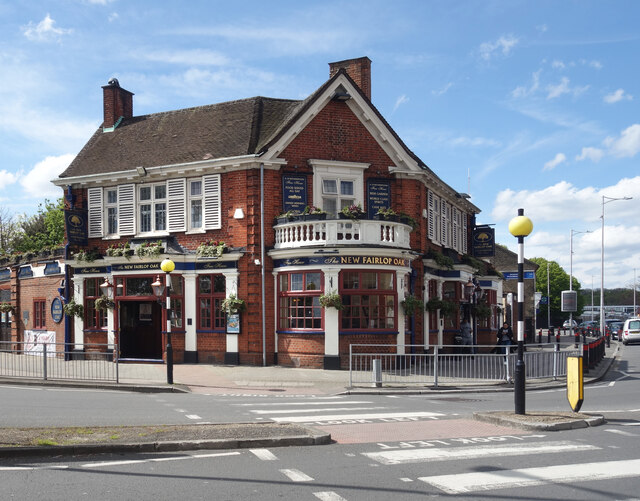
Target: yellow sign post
pixel 575 383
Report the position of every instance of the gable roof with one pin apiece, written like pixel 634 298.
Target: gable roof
pixel 229 129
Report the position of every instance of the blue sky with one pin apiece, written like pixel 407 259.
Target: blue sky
pixel 519 103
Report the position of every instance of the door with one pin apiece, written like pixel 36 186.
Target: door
pixel 140 330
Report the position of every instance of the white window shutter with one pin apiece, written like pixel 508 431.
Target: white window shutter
pixel 445 223
pixel 455 215
pixel 177 206
pixel 465 237
pixel 126 209
pixel 211 202
pixel 431 223
pixel 94 198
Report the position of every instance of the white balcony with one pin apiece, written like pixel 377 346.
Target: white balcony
pixel 332 232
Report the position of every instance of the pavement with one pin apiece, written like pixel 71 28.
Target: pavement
pixel 250 380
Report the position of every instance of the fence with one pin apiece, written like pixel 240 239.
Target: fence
pixel 373 364
pixel 53 361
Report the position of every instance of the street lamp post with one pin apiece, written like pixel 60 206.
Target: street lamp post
pixel 158 288
pixel 573 232
pixel 520 227
pixel 605 200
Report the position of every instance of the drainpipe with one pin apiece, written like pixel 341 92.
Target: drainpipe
pixel 67 289
pixel 264 306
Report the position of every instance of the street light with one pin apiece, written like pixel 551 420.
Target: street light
pixel 605 200
pixel 573 232
pixel 158 288
pixel 473 292
pixel 520 227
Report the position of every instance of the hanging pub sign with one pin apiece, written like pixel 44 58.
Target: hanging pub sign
pixel 75 221
pixel 378 196
pixel 484 241
pixel 294 193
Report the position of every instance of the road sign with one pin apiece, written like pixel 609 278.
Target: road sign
pixel 575 386
pixel 544 300
pixel 569 301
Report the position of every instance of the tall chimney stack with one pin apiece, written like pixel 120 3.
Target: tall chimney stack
pixel 358 69
pixel 117 102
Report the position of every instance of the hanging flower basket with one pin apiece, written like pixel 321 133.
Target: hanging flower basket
pixel 6 307
pixel 73 309
pixel 103 303
pixel 233 304
pixel 333 300
pixel 411 305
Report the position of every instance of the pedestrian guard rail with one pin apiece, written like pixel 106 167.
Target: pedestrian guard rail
pixel 57 361
pixel 378 365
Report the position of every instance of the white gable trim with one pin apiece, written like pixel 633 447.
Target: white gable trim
pixel 368 117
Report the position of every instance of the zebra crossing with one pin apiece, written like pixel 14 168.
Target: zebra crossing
pixel 334 410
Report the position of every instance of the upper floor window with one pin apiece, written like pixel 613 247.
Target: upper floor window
pixel 152 207
pixel 195 204
pixel 337 184
pixel 174 205
pixel 111 204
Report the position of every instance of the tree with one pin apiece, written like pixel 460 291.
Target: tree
pixel 43 230
pixel 558 282
pixel 8 231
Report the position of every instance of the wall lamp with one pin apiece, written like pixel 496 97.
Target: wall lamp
pixel 238 214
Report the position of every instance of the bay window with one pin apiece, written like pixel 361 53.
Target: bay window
pixel 369 299
pixel 211 293
pixel 299 301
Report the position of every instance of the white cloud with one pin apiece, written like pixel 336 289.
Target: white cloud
pixel 628 144
pixel 564 88
pixel 558 64
pixel 593 154
pixel 44 31
pixel 557 160
pixel 113 16
pixel 37 182
pixel 475 142
pixel 400 101
pixel 504 45
pixel 569 202
pixel 8 178
pixel 442 91
pixel 617 96
pixel 195 57
pixel 523 91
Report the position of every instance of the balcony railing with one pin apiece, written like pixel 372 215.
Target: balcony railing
pixel 331 232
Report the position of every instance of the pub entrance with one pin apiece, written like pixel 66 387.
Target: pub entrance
pixel 140 330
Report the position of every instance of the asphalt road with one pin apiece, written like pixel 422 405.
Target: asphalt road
pixel 387 445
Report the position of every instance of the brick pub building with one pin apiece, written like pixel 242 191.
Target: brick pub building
pixel 224 173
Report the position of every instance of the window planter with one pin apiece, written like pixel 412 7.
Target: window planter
pixel 212 248
pixel 352 212
pixel 149 249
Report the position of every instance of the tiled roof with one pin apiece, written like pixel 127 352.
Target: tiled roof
pixel 229 129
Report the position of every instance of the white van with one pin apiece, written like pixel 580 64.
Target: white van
pixel 631 331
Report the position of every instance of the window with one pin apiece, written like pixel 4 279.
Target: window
pixel 195 204
pixel 369 300
pixel 299 303
pixel 111 206
pixel 152 207
pixel 337 194
pixel 93 318
pixel 177 300
pixel 211 293
pixel 337 184
pixel 39 314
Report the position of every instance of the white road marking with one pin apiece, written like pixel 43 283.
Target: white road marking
pixel 192 416
pixel 526 477
pixel 335 417
pixel 31 468
pixel 402 456
pixel 324 409
pixel 328 496
pixel 630 424
pixel 179 410
pixel 406 480
pixel 158 460
pixel 264 454
pixel 280 404
pixel 620 432
pixel 296 475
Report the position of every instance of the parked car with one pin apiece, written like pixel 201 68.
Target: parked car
pixel 567 324
pixel 588 327
pixel 631 331
pixel 616 329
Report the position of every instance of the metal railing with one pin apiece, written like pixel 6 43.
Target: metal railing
pixel 54 361
pixel 374 364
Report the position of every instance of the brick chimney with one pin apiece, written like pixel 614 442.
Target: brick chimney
pixel 358 69
pixel 118 103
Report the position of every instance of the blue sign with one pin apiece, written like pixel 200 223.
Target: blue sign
pixel 294 193
pixel 513 275
pixel 75 222
pixel 25 272
pixel 378 196
pixel 52 269
pixel 544 300
pixel 56 310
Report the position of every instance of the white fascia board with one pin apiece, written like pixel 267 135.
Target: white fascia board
pixel 188 168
